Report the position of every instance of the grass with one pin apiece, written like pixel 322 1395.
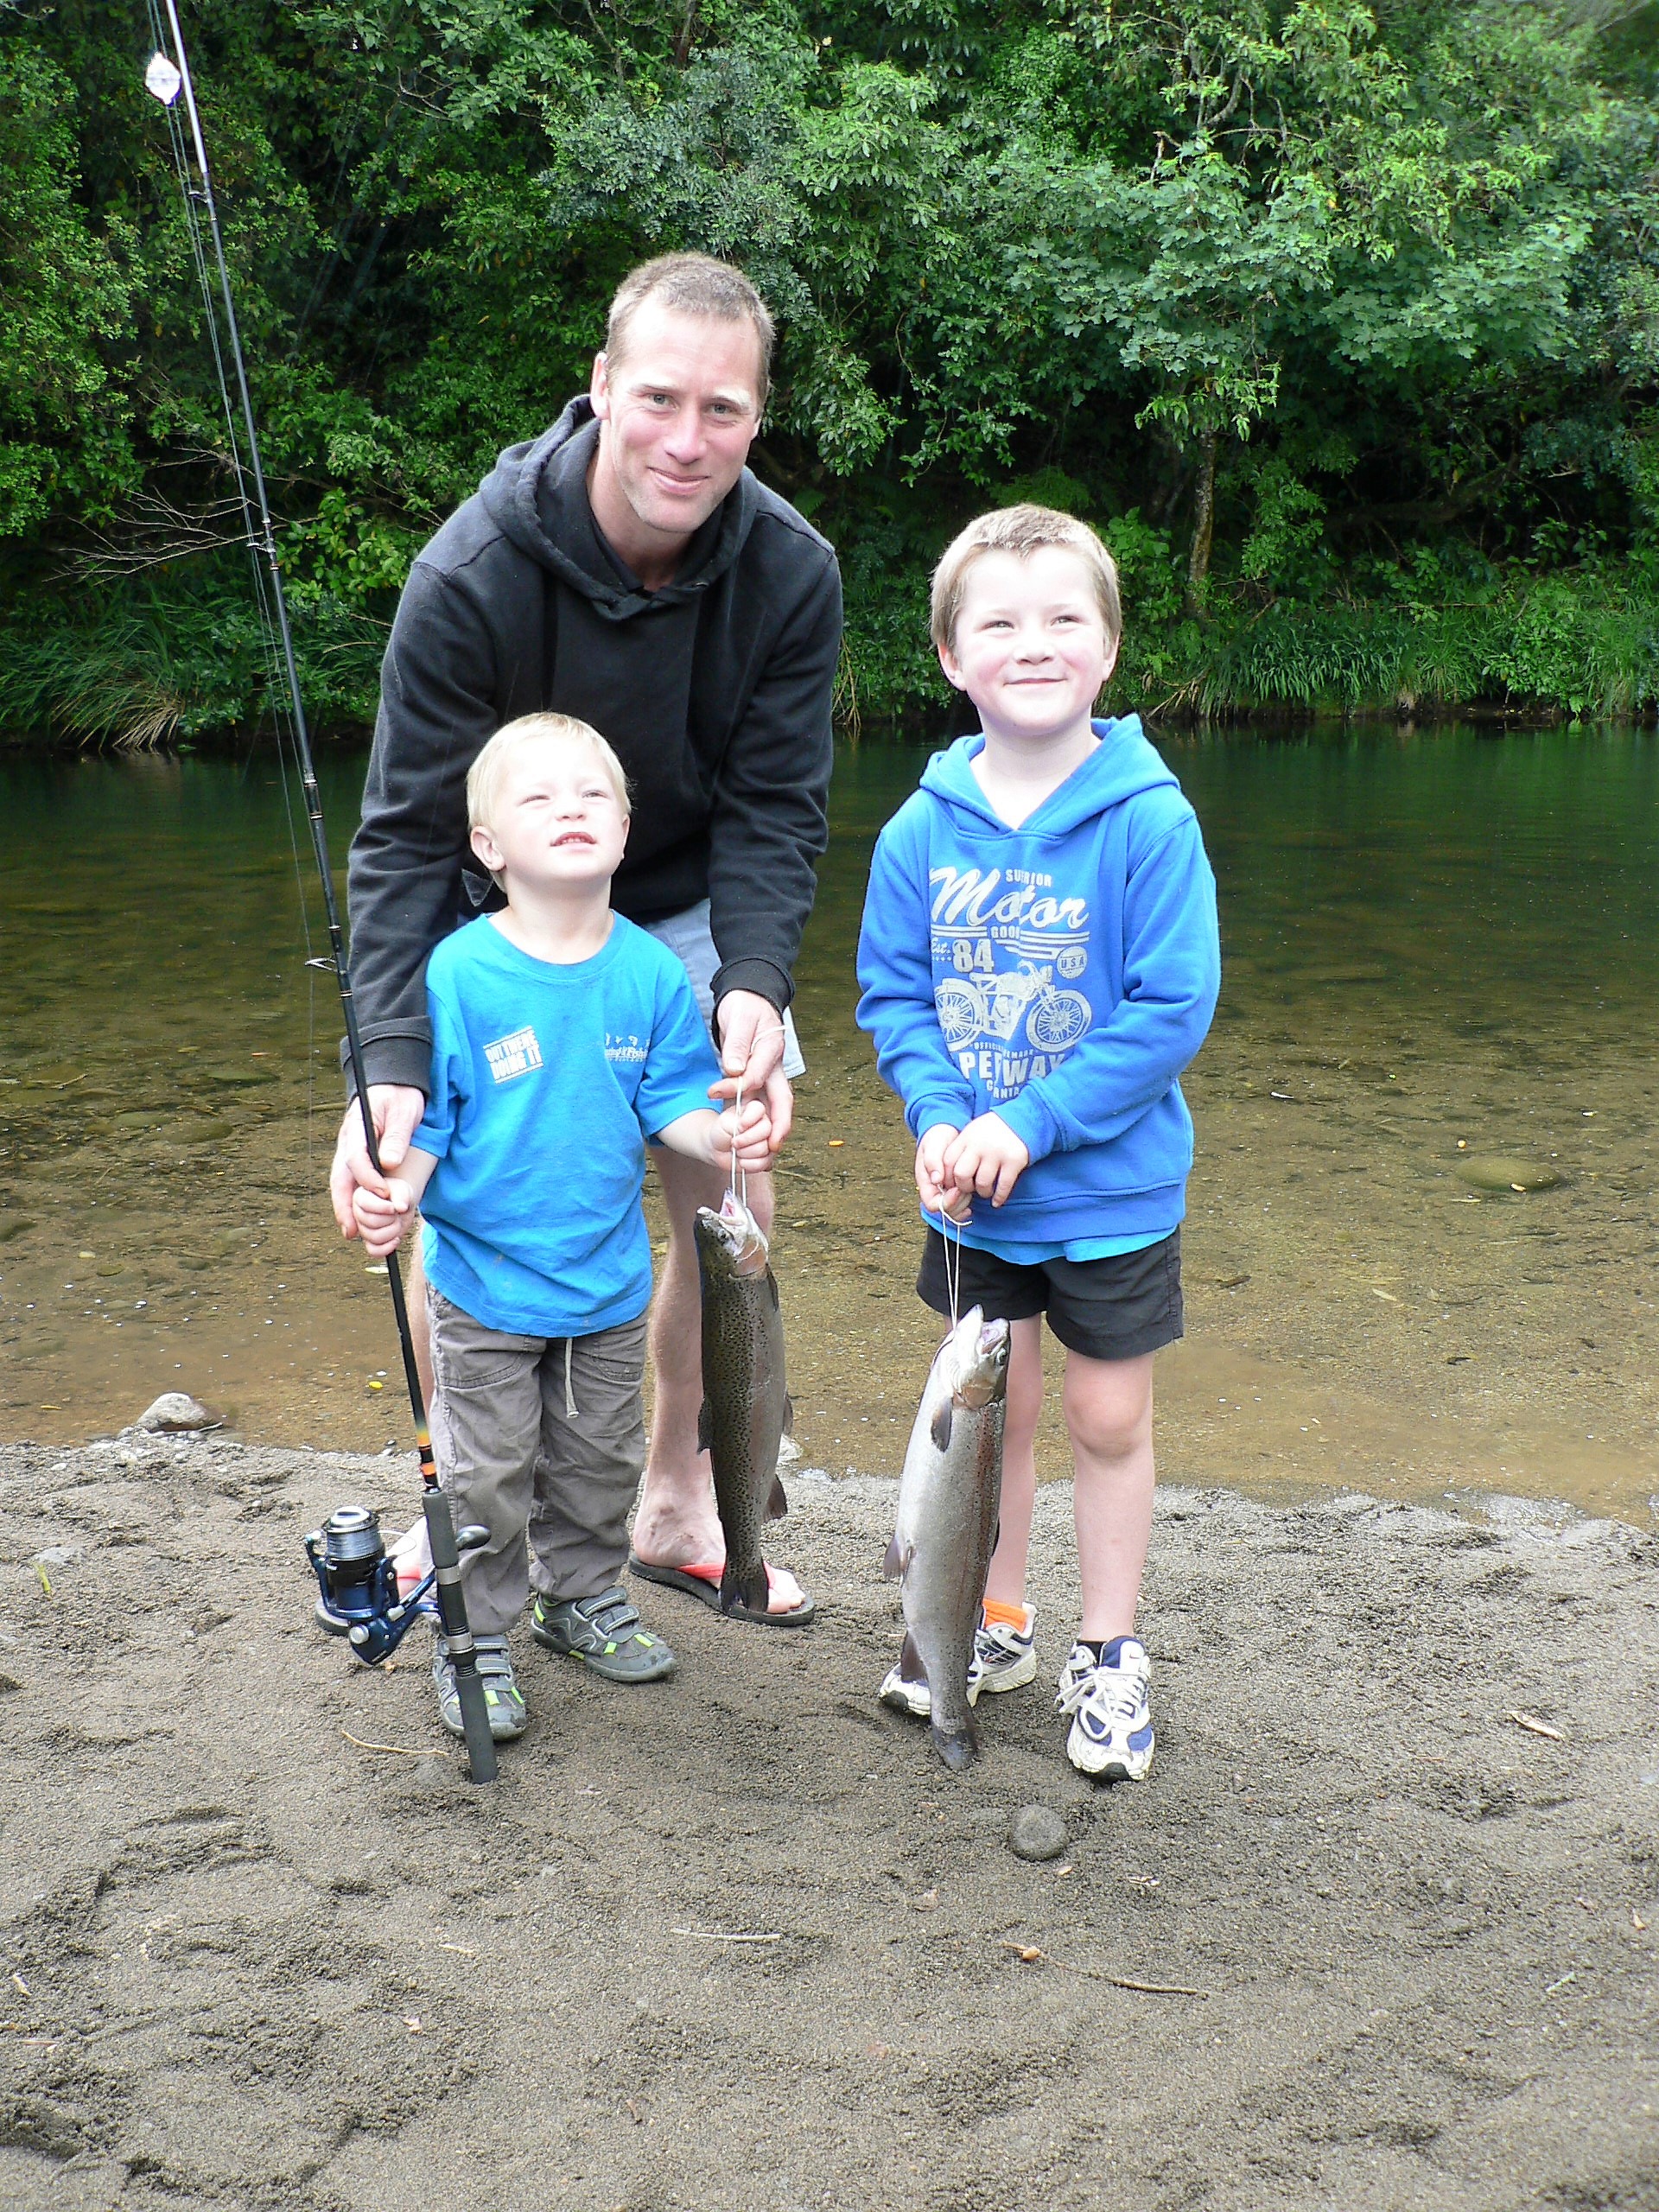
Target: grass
pixel 153 664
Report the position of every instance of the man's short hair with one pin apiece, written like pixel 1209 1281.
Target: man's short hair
pixel 484 776
pixel 692 284
pixel 1021 531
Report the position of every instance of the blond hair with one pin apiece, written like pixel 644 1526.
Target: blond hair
pixel 1021 531
pixel 692 284
pixel 484 776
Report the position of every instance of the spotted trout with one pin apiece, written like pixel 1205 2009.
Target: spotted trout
pixel 745 1406
pixel 946 1527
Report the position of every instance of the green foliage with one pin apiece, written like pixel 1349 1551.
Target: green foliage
pixel 1387 281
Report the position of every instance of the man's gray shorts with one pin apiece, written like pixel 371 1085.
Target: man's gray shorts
pixel 542 1440
pixel 689 938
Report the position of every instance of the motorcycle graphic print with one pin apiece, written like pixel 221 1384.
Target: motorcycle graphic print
pixel 970 1007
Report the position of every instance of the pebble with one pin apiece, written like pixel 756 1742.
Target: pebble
pixel 1488 1172
pixel 175 1410
pixel 1037 1832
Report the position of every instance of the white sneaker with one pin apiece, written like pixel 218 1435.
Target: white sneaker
pixel 1112 1720
pixel 910 1694
pixel 1004 1659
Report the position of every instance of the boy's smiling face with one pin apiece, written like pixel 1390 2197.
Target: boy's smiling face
pixel 556 820
pixel 1030 648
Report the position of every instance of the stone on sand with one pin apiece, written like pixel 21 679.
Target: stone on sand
pixel 174 1411
pixel 1037 1832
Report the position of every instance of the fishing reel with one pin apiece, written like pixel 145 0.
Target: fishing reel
pixel 358 1583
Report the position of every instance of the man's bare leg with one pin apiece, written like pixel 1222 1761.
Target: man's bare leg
pixel 677 1524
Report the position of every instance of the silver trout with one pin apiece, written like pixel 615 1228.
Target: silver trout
pixel 946 1527
pixel 745 1406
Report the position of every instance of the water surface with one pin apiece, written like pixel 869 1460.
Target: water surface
pixel 1431 942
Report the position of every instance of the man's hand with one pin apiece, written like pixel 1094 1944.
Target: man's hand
pixel 936 1190
pixel 397 1109
pixel 987 1160
pixel 751 1033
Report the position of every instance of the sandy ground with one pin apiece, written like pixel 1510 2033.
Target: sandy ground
pixel 251 1962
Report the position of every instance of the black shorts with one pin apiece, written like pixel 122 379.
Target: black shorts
pixel 1106 1309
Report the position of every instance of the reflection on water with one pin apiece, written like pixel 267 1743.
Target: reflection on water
pixel 1441 950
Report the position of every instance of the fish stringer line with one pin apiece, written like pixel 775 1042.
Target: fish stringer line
pixel 737 1181
pixel 952 1268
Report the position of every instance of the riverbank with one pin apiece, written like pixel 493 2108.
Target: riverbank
pixel 153 668
pixel 1393 1879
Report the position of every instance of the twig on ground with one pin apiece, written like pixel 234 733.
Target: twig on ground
pixel 720 1935
pixel 1534 1726
pixel 405 1750
pixel 1030 1955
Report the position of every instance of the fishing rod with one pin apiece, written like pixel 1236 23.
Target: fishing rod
pixel 358 1584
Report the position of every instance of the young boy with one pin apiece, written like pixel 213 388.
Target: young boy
pixel 563 1037
pixel 1039 960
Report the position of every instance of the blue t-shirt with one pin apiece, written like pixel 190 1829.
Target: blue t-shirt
pixel 546 1081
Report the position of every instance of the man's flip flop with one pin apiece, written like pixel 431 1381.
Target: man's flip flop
pixel 702 1583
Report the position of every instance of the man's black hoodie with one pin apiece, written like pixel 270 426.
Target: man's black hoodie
pixel 715 691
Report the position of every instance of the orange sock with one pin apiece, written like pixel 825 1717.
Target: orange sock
pixel 997 1615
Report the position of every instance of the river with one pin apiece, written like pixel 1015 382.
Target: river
pixel 1441 952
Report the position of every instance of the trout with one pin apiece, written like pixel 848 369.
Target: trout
pixel 946 1526
pixel 745 1406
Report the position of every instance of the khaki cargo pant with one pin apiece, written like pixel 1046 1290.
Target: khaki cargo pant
pixel 542 1440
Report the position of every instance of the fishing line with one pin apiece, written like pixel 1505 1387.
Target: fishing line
pixel 738 1182
pixel 168 77
pixel 952 1273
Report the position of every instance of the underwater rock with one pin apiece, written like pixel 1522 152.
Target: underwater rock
pixel 1498 1171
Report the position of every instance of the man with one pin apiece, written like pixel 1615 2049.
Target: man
pixel 627 568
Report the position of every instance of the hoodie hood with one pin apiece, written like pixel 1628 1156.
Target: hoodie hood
pixel 540 488
pixel 1122 766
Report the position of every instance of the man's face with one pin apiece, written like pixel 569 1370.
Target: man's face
pixel 678 412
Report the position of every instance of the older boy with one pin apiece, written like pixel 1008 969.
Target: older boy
pixel 563 1037
pixel 1039 961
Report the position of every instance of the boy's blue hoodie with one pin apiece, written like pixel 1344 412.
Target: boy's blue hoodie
pixel 1061 975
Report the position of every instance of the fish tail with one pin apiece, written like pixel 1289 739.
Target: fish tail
pixel 958 1745
pixel 749 1590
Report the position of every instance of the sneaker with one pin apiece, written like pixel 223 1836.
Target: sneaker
pixel 604 1633
pixel 1004 1659
pixel 910 1693
pixel 509 1716
pixel 1111 1721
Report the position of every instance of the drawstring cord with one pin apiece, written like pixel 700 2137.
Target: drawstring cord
pixel 570 1395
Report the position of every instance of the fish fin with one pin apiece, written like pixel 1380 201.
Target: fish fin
pixel 778 1503
pixel 705 1426
pixel 910 1663
pixel 752 1592
pixel 896 1565
pixel 789 1414
pixel 939 1427
pixel 957 1747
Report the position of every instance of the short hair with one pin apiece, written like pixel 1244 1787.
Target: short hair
pixel 1021 531
pixel 692 284
pixel 484 776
